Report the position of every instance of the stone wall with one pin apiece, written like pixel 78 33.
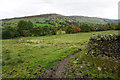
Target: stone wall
pixel 104 45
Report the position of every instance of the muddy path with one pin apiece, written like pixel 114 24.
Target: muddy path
pixel 59 70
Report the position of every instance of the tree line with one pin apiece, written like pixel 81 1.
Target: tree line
pixel 26 28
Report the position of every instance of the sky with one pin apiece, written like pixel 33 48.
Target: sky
pixel 92 8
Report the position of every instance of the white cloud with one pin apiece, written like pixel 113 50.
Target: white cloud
pixel 93 8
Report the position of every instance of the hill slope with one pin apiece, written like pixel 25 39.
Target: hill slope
pixel 93 20
pixel 81 19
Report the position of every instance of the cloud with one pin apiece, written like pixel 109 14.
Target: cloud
pixel 92 8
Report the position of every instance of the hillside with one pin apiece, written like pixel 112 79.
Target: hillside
pixel 35 16
pixel 94 20
pixel 80 19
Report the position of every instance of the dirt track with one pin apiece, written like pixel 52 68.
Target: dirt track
pixel 58 71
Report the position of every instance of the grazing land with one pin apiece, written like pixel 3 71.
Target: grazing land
pixel 29 57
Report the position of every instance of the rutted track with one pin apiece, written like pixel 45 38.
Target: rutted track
pixel 58 71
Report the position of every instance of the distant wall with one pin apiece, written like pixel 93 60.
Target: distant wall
pixel 104 45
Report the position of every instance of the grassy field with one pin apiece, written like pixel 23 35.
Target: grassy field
pixel 42 25
pixel 34 20
pixel 31 19
pixel 89 67
pixel 27 57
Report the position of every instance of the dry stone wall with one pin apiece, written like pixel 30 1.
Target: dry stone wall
pixel 104 45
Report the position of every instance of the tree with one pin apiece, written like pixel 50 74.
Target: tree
pixel 30 26
pixel 106 27
pixel 6 34
pixel 22 25
pixel 69 29
pixel 10 32
pixel 37 31
pixel 53 31
pixel 85 28
pixel 117 26
pixel 100 27
pixel 78 29
pixel 25 28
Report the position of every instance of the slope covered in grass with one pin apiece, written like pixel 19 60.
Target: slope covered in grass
pixel 29 56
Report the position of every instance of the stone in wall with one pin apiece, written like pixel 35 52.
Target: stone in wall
pixel 104 45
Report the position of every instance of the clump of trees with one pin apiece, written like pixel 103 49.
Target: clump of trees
pixel 85 27
pixel 42 31
pixel 25 29
pixel 72 29
pixel 66 26
pixel 10 32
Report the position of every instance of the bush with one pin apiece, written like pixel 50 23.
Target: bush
pixel 42 31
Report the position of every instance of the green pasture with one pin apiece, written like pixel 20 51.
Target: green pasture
pixel 28 57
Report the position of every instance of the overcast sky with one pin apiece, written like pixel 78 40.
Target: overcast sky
pixel 91 8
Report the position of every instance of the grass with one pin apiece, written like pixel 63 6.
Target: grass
pixel 93 67
pixel 31 19
pixel 92 20
pixel 42 25
pixel 34 20
pixel 27 57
